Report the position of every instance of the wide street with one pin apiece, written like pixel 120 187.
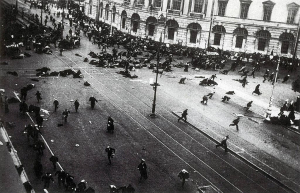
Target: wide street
pixel 258 149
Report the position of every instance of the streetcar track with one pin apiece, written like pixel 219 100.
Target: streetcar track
pixel 241 149
pixel 177 141
pixel 191 136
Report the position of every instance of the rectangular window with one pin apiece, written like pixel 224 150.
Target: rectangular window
pixel 193 36
pixel 123 22
pixel 285 47
pixel 176 4
pixel 244 10
pixel 141 2
pixel 267 14
pixel 291 16
pixel 169 4
pixel 239 41
pixel 91 7
pixel 171 32
pixel 114 17
pixel 157 3
pixel 217 39
pixel 198 6
pixel 222 8
pixel 262 44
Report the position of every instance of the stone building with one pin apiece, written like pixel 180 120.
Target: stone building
pixel 236 25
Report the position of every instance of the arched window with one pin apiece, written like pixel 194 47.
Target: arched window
pixel 218 30
pixel 287 40
pixel 263 37
pixel 241 34
pixel 151 23
pixel 194 29
pixel 106 11
pixel 172 26
pixel 135 22
pixel 91 6
pixel 101 9
pixel 123 19
pixel 114 14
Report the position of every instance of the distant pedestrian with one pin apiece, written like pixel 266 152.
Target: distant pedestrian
pixel 213 77
pixel 39 121
pixel 225 98
pixel 47 178
pixel 235 122
pixel 249 104
pixel 65 114
pixel 76 104
pixel 61 177
pixel 204 100
pixel 6 109
pixel 23 107
pixel 142 167
pixel 54 160
pixel 183 175
pixel 183 115
pixel 210 95
pixel 23 93
pixel 110 125
pixel 181 81
pixel 110 153
pixel 38 96
pixel 252 72
pixel 38 169
pixel 70 184
pixel 224 143
pixel 81 186
pixel 286 78
pixel 56 103
pixel 39 146
pixel 93 101
pixel 256 90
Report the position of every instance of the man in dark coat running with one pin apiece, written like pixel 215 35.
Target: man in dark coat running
pixel 235 122
pixel 93 101
pixel 224 143
pixel 183 115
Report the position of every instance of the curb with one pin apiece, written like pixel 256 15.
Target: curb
pixel 19 167
pixel 242 158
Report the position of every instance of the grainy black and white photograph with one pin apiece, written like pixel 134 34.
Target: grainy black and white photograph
pixel 149 96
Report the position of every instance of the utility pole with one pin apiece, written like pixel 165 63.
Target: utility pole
pixel 211 21
pixel 41 12
pixel 155 84
pixel 269 110
pixel 296 46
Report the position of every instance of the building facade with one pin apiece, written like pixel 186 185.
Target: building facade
pixel 262 26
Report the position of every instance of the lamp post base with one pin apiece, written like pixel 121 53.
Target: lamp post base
pixel 153 115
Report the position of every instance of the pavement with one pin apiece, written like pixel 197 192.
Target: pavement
pixel 268 149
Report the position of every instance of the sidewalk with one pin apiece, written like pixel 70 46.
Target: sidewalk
pixel 10 179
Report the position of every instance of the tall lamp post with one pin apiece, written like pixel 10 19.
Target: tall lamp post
pixel 211 21
pixel 41 12
pixel 156 84
pixel 269 110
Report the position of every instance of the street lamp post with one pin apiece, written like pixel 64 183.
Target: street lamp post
pixel 269 110
pixel 211 21
pixel 42 13
pixel 156 84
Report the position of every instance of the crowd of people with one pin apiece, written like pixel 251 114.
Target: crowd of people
pixel 39 36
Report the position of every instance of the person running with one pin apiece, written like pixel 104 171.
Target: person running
pixel 257 91
pixel 249 104
pixel 54 160
pixel 235 122
pixel 110 153
pixel 210 95
pixel 93 101
pixel 223 143
pixel 183 115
